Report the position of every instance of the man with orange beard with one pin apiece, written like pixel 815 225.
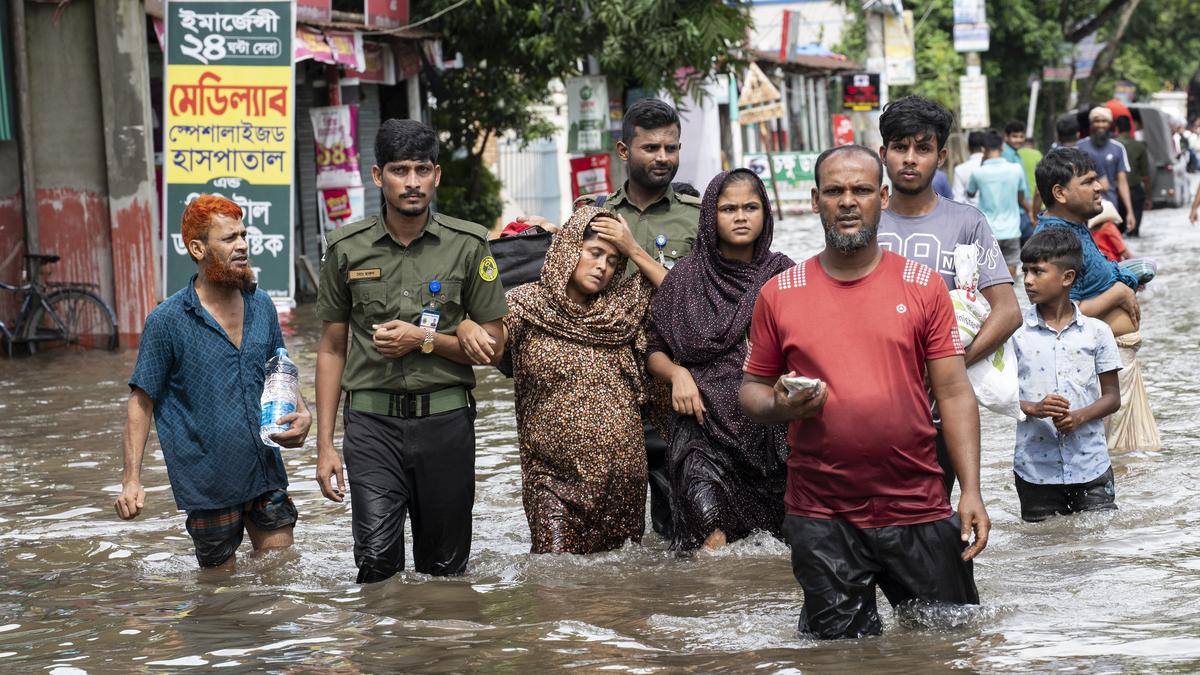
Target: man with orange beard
pixel 199 372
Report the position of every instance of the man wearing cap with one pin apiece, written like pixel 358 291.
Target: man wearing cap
pixel 393 291
pixel 1112 162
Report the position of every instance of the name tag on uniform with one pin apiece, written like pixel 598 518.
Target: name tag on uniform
pixel 366 275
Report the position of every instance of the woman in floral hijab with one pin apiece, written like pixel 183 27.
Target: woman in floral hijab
pixel 577 345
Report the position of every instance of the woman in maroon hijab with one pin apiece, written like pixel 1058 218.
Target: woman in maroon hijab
pixel 727 473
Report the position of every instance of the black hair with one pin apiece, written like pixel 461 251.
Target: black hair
pixel 1123 124
pixel 1056 245
pixel 1067 128
pixel 648 113
pixel 845 148
pixel 1014 127
pixel 589 233
pixel 992 140
pixel 975 140
pixel 685 188
pixel 1058 167
pixel 915 116
pixel 400 140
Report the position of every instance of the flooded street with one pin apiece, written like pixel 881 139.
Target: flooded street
pixel 81 590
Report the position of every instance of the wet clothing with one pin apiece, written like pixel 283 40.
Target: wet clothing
pixel 419 466
pixel 1069 363
pixel 1011 250
pixel 1099 273
pixel 368 277
pixel 579 380
pixel 217 533
pixel 1039 502
pixel 730 473
pixel 206 395
pixel 1111 160
pixel 870 345
pixel 930 240
pixel 675 216
pixel 409 442
pixel 839 567
pixel 1132 427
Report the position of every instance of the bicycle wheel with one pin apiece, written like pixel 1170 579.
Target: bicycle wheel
pixel 78 319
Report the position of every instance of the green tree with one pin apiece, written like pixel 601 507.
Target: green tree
pixel 514 49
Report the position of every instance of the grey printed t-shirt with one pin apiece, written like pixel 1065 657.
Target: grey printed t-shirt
pixel 930 239
pixel 1111 159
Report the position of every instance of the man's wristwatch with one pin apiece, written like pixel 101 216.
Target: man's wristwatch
pixel 427 343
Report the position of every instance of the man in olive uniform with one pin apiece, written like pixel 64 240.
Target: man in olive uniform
pixel 664 223
pixel 393 291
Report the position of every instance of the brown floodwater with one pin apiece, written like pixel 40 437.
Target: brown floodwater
pixel 81 591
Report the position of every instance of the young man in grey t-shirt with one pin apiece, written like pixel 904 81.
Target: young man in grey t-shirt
pixel 920 225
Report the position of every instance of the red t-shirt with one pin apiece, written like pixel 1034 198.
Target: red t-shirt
pixel 1108 239
pixel 869 456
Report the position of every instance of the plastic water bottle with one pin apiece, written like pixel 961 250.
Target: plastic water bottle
pixel 280 391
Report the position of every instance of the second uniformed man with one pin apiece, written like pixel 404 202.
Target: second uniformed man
pixel 664 223
pixel 393 290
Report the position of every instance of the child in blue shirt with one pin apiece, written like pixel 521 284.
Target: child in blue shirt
pixel 1067 365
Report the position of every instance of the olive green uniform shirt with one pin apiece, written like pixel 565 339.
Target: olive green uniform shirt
pixel 675 216
pixel 367 277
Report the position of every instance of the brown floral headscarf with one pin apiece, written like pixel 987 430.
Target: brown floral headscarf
pixel 613 317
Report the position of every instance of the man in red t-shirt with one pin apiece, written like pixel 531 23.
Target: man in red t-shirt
pixel 865 501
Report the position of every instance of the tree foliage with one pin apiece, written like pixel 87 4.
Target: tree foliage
pixel 1161 44
pixel 514 49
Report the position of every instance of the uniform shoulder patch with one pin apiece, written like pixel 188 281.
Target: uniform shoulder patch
pixel 687 199
pixel 465 226
pixel 488 271
pixel 344 231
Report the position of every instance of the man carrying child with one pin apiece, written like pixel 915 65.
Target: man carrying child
pixel 1068 365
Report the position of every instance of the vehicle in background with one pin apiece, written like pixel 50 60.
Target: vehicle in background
pixel 1168 163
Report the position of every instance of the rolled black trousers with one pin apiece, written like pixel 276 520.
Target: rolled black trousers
pixel 417 467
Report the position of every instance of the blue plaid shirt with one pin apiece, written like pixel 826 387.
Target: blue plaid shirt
pixel 1067 363
pixel 206 399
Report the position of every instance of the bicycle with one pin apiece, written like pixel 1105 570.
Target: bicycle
pixel 58 314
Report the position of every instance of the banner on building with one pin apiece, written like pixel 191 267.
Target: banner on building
pixel 228 120
pixel 973 102
pixel 347 49
pixel 335 130
pixel 971 33
pixel 320 11
pixel 899 61
pixel 587 113
pixel 341 206
pixel 843 130
pixel 793 173
pixel 379 64
pixel 311 44
pixel 590 175
pixel 860 91
pixel 386 13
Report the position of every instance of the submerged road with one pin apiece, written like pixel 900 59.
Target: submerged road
pixel 81 591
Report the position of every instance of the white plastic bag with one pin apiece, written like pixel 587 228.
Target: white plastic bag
pixel 994 378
